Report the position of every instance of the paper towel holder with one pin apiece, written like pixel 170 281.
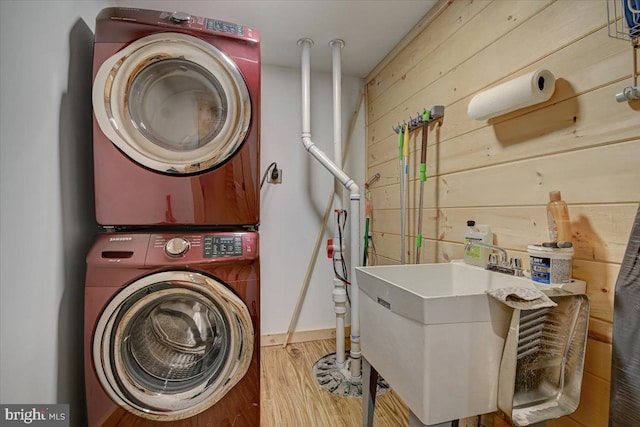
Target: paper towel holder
pixel 529 89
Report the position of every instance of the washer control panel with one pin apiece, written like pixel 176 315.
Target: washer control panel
pixel 222 246
pixel 185 248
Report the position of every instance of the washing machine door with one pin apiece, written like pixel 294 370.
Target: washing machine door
pixel 172 344
pixel 173 103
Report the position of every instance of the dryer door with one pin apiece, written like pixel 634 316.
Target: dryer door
pixel 172 103
pixel 172 344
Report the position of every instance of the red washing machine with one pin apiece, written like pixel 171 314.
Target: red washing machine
pixel 172 330
pixel 176 130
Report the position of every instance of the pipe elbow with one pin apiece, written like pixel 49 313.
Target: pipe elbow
pixel 354 191
pixel 306 142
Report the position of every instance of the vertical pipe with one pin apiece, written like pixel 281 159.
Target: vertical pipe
pixel 340 309
pixel 355 352
pixel 306 83
pixel 339 287
pixel 336 47
pixel 355 368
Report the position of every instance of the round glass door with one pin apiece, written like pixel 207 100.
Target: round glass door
pixel 172 103
pixel 172 344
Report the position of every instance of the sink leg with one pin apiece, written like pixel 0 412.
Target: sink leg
pixel 414 421
pixel 369 384
pixel 369 388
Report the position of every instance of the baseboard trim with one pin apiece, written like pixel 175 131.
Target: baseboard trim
pixel 300 336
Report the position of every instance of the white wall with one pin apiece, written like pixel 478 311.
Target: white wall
pixel 291 212
pixel 46 197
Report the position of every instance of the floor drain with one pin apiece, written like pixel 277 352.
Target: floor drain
pixel 338 381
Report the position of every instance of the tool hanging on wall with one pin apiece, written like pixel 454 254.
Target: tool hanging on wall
pixel 405 193
pixel 400 132
pixel 426 115
pixel 422 121
pixel 368 211
pixel 434 115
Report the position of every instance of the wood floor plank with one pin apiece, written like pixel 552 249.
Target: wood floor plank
pixel 290 397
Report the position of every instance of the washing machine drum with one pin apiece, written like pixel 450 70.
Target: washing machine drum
pixel 172 103
pixel 172 344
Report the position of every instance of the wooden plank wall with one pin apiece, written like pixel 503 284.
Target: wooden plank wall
pixel 581 142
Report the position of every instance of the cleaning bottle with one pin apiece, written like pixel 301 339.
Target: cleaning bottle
pixel 477 255
pixel 558 218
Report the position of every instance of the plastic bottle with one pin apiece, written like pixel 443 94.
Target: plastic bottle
pixel 558 218
pixel 477 255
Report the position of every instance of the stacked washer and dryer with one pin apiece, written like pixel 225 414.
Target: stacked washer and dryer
pixel 172 295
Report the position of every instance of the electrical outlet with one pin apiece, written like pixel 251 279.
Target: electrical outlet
pixel 275 177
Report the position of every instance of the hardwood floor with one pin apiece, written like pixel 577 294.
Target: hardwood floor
pixel 290 397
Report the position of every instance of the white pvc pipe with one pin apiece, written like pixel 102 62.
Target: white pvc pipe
pixel 339 287
pixel 340 308
pixel 306 83
pixel 355 352
pixel 336 46
pixel 349 184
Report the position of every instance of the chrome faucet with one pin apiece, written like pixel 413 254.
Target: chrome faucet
pixel 513 266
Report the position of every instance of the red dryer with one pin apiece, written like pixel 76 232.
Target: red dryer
pixel 176 129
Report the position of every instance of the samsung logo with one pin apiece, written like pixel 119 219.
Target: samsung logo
pixel 384 303
pixel 120 239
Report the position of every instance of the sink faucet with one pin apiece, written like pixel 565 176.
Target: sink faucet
pixel 513 267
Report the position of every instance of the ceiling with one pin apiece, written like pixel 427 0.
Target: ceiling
pixel 369 28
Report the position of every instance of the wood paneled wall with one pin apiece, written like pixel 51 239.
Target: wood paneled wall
pixel 499 172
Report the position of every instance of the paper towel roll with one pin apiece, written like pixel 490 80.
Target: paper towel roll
pixel 520 92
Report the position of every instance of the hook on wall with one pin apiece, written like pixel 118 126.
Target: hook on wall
pixel 436 113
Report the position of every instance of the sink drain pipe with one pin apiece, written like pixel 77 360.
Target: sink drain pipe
pixel 354 197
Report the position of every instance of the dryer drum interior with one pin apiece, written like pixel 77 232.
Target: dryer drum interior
pixel 172 103
pixel 172 344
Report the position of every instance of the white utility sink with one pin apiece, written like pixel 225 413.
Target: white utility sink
pixel 434 334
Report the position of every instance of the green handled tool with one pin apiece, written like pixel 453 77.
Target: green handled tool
pixel 426 117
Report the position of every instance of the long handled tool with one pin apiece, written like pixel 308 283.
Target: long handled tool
pixel 404 188
pixel 368 212
pixel 426 115
pixel 436 113
pixel 400 177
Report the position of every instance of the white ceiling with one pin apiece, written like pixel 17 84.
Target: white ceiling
pixel 369 28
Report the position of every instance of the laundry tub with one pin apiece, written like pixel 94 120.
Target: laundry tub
pixel 434 334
